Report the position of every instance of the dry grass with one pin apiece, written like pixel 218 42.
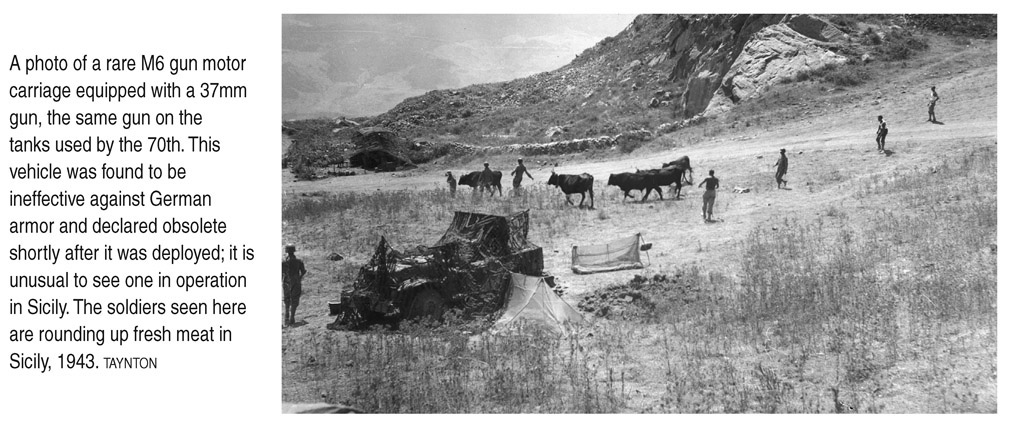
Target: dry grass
pixel 888 307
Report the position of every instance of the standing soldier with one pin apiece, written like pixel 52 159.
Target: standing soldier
pixel 486 178
pixel 931 105
pixel 781 169
pixel 709 198
pixel 451 182
pixel 292 277
pixel 517 172
pixel 883 130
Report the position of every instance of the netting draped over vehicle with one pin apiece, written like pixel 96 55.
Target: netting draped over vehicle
pixel 482 236
pixel 466 269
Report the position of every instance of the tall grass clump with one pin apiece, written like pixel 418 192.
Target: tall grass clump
pixel 353 222
pixel 520 369
pixel 890 309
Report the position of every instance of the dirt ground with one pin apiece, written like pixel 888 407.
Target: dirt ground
pixel 831 150
pixel 832 155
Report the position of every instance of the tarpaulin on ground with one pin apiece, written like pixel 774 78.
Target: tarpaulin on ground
pixel 621 254
pixel 533 301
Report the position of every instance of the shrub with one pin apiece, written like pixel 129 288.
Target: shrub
pixel 900 45
pixel 847 76
pixel 870 37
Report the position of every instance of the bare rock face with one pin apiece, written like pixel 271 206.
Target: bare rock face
pixel 773 54
pixel 704 48
pixel 816 28
pixel 706 62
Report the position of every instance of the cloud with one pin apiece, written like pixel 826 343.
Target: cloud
pixel 366 64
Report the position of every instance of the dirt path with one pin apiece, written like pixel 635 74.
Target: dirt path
pixel 831 151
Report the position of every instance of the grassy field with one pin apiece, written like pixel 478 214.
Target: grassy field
pixel 870 287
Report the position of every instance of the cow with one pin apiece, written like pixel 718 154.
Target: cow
pixel 669 176
pixel 573 184
pixel 473 180
pixel 683 163
pixel 633 181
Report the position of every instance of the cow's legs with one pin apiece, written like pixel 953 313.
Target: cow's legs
pixel 567 199
pixel 648 191
pixel 583 198
pixel 591 203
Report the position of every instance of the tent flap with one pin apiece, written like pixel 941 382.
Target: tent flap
pixel 621 254
pixel 533 301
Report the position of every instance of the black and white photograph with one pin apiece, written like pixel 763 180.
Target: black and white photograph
pixel 639 213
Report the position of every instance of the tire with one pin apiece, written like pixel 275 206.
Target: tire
pixel 427 304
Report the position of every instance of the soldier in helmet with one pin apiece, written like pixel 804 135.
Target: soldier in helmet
pixel 292 277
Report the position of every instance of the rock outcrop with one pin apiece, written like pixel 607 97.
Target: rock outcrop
pixel 773 54
pixel 690 65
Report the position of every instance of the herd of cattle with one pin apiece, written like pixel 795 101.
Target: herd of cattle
pixel 675 173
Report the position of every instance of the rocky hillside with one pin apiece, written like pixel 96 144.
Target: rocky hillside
pixel 660 69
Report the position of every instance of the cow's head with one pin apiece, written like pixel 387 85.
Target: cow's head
pixel 553 178
pixel 464 179
pixel 612 180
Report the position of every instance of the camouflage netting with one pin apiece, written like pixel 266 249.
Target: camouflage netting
pixel 481 236
pixel 466 269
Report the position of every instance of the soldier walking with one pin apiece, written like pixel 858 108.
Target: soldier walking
pixel 451 182
pixel 292 278
pixel 781 169
pixel 517 173
pixel 486 179
pixel 883 130
pixel 709 198
pixel 931 105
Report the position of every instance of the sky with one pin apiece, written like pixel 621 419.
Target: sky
pixel 357 65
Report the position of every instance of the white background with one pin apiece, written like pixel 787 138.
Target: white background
pixel 238 384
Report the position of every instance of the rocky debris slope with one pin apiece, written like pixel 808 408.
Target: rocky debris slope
pixel 641 298
pixel 660 69
pixel 553 147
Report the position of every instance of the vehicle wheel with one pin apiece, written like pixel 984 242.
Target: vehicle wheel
pixel 427 304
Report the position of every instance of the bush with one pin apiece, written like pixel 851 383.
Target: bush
pixel 981 25
pixel 847 76
pixel 900 45
pixel 871 37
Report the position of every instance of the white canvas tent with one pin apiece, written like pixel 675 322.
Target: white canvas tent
pixel 620 254
pixel 533 301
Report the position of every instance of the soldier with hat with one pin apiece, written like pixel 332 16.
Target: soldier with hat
pixel 487 179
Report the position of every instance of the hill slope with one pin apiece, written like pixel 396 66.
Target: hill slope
pixel 894 220
pixel 660 68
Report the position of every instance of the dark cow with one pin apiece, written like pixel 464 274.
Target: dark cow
pixel 670 176
pixel 633 181
pixel 683 163
pixel 573 184
pixel 648 181
pixel 473 180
